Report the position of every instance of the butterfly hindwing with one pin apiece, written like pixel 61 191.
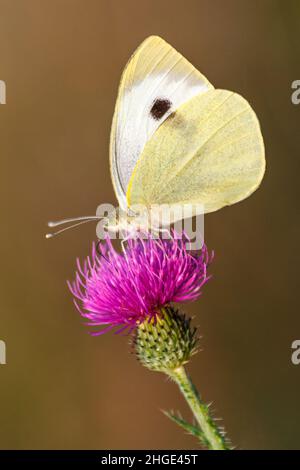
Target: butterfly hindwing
pixel 210 151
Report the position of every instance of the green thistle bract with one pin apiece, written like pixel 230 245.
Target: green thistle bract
pixel 165 342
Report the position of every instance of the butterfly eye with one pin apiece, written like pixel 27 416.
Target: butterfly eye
pixel 159 108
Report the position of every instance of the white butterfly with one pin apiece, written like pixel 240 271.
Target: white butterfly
pixel 177 140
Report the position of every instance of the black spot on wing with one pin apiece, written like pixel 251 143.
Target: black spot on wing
pixel 159 108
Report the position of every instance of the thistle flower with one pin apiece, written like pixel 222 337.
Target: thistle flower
pixel 125 289
pixel 134 290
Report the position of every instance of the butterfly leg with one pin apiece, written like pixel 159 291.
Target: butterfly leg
pixel 130 234
pixel 165 230
pixel 123 241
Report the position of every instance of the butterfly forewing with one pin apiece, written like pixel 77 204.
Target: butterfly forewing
pixel 155 82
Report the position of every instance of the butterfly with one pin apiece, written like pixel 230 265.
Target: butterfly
pixel 176 140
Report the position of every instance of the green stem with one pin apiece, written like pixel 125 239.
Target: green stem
pixel 211 434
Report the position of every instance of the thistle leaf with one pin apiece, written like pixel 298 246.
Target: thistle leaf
pixel 194 430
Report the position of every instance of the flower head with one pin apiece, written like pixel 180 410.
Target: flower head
pixel 124 289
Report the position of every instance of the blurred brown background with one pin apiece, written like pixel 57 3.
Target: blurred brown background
pixel 61 61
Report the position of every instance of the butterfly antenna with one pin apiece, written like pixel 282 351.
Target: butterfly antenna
pixel 79 220
pixel 74 219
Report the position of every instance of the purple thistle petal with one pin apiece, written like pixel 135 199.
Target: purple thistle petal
pixel 124 289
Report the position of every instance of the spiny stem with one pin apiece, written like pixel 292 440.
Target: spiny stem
pixel 212 436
